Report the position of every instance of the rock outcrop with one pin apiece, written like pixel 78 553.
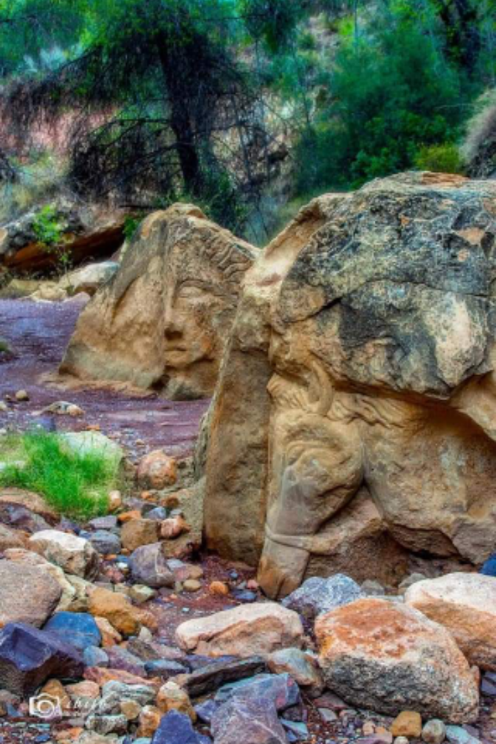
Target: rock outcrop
pixel 365 335
pixel 86 233
pixel 163 320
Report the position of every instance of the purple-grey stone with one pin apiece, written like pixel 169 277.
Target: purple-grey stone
pixel 29 656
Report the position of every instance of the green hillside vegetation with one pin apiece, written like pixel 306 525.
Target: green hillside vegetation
pixel 188 99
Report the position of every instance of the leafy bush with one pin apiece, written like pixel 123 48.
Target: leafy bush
pixel 131 225
pixel 73 484
pixel 440 159
pixel 392 94
pixel 4 346
pixel 47 226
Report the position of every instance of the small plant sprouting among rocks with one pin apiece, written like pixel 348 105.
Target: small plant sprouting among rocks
pixel 74 484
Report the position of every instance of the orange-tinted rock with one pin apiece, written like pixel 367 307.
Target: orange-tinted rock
pixel 101 676
pixel 157 470
pixel 465 604
pixel 173 527
pixel 407 661
pixel 117 609
pixel 149 720
pixel 172 697
pixel 219 588
pixel 110 636
pixel 138 532
pixel 408 723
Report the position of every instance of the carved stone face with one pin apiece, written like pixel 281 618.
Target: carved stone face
pixel 199 305
pixel 164 320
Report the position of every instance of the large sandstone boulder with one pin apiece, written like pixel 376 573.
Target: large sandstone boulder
pixel 367 344
pixel 466 605
pixel 253 630
pixel 163 320
pixel 388 658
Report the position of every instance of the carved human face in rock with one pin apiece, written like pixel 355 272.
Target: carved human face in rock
pixel 200 298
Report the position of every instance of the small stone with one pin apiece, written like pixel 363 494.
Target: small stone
pixel 434 731
pixel 105 543
pixel 401 740
pixel 149 720
pixel 138 532
pixel 300 666
pixel 174 527
pixel 150 567
pixel 327 715
pixel 192 585
pixel 140 593
pixel 408 723
pixel 73 554
pixel 157 470
pixel 114 500
pixel 131 709
pixel 110 636
pixel 117 609
pixel 107 724
pixel 458 735
pixel 172 697
pixel 219 588
pixel 373 588
pixel 368 728
pixel 22 396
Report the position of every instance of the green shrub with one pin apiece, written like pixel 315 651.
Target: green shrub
pixel 4 346
pixel 74 484
pixel 47 226
pixel 443 158
pixel 131 225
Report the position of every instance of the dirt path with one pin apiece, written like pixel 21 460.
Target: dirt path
pixel 38 334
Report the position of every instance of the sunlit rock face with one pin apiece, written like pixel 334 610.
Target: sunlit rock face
pixel 377 437
pixel 164 319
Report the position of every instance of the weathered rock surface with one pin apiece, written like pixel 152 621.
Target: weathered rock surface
pixel 466 605
pixel 257 629
pixel 149 566
pixel 28 594
pixel 77 629
pixel 388 658
pixel 87 233
pixel 139 532
pixel 29 656
pixel 10 538
pixel 89 278
pixel 318 595
pixel 375 334
pixel 163 320
pixel 73 554
pixel 117 609
pixel 157 470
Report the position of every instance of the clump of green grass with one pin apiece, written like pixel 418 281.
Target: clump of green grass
pixel 4 347
pixel 74 484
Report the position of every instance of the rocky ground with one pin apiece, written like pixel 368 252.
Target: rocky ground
pixel 37 334
pixel 122 629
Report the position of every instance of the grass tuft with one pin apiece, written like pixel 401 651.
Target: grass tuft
pixel 74 484
pixel 4 347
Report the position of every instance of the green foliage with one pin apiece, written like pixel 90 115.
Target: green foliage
pixel 392 95
pixel 48 227
pixel 75 485
pixel 131 225
pixel 4 346
pixel 444 158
